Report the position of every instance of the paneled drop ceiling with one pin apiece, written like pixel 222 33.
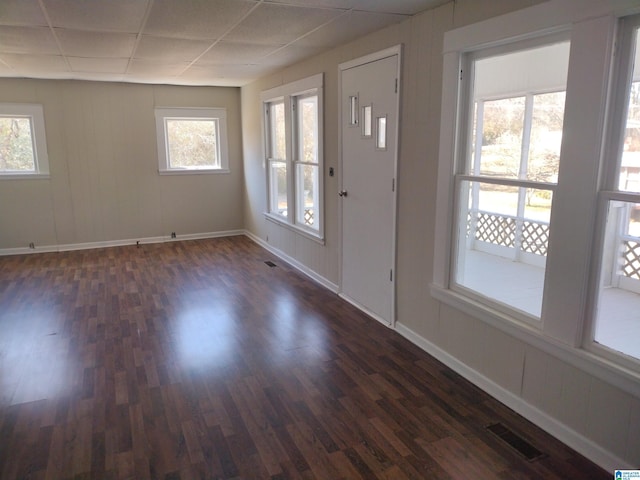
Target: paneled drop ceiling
pixel 184 42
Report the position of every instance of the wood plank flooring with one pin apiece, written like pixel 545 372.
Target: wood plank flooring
pixel 196 360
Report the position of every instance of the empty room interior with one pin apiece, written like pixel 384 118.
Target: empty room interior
pixel 199 280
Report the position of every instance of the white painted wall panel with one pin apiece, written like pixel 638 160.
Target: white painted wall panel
pixel 104 184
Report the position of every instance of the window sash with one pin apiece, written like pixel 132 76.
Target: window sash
pixel 612 235
pixel 219 153
pixel 301 167
pixel 35 144
pixel 213 158
pixel 519 181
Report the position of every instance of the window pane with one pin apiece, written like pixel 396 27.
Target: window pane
pixel 192 143
pixel 308 129
pixel 546 137
pixel 381 134
pixel 629 179
pixel 366 121
pixel 278 140
pixel 501 125
pixel 16 145
pixel 278 187
pixel 618 312
pixel 308 190
pixel 502 243
pixel 353 110
pixel 516 125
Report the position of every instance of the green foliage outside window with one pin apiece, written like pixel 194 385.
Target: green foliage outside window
pixel 192 143
pixel 16 146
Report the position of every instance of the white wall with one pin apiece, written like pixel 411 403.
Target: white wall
pixel 580 407
pixel 104 184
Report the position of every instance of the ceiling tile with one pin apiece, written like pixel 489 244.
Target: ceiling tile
pixel 291 54
pixel 111 15
pixel 279 24
pixel 236 53
pixel 159 69
pixel 348 27
pixel 37 40
pixel 99 65
pixel 21 12
pixel 405 7
pixel 231 75
pixel 26 65
pixel 171 50
pixel 340 4
pixel 95 44
pixel 195 18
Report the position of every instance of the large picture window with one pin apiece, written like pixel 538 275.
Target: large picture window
pixel 293 147
pixel 23 146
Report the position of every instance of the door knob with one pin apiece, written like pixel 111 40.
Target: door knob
pixel 342 193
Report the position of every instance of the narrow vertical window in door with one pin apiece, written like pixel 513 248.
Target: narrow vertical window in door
pixel 381 133
pixel 366 121
pixel 353 107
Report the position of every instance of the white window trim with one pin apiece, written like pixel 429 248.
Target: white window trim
pixel 40 156
pixel 592 25
pixel 217 114
pixel 287 94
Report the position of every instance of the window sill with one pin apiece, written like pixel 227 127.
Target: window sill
pixel 211 171
pixel 626 379
pixel 316 237
pixel 24 176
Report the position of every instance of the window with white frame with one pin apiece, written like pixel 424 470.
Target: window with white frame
pixel 192 140
pixel 508 174
pixel 293 148
pixel 537 225
pixel 617 321
pixel 23 145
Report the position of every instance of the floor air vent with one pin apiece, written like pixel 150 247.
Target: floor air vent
pixel 516 442
pixel 270 263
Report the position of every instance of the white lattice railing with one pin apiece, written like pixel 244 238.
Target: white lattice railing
pixel 506 230
pixel 631 259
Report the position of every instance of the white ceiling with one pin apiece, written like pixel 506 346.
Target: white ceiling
pixel 185 42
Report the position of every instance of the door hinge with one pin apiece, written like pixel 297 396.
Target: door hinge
pixel 393 184
pixel 460 74
pixel 391 275
pixel 396 85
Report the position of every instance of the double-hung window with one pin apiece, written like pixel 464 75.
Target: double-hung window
pixel 508 173
pixel 617 314
pixel 23 146
pixel 293 149
pixel 192 140
pixel 538 208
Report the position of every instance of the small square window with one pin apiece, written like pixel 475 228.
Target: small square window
pixel 23 146
pixel 192 140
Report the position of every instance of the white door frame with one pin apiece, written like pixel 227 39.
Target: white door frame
pixel 387 52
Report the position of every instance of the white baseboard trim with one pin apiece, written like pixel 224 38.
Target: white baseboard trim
pixel 570 437
pixel 118 243
pixel 294 263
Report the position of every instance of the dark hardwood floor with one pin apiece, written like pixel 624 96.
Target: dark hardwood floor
pixel 197 360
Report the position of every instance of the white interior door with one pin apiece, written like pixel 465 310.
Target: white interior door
pixel 369 108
